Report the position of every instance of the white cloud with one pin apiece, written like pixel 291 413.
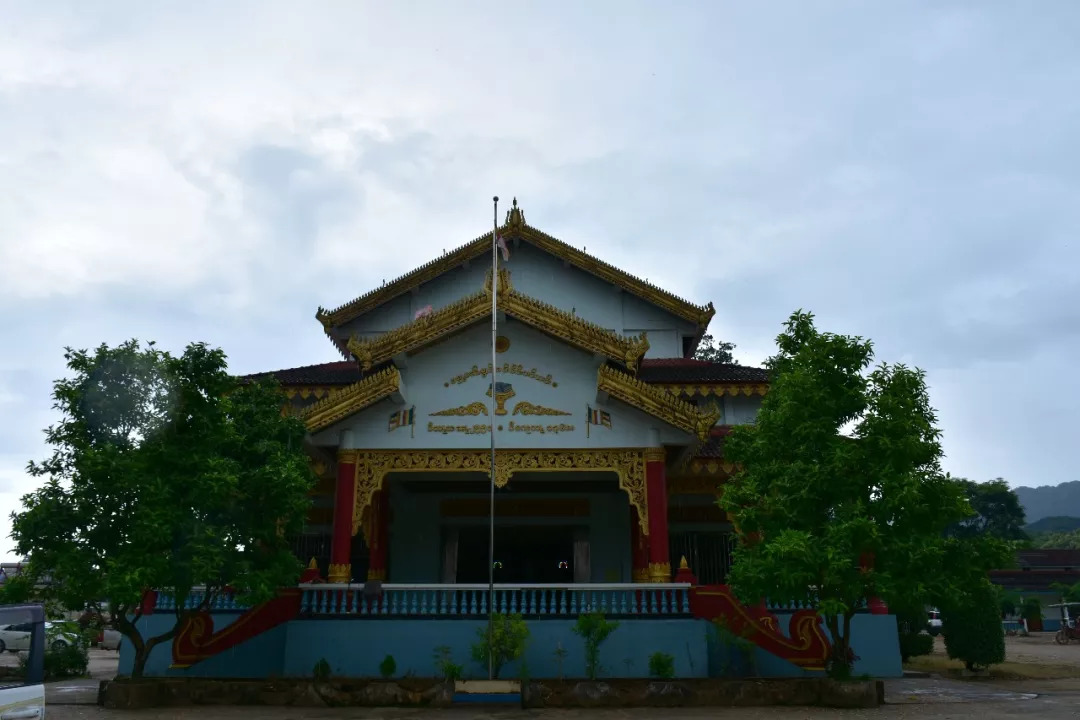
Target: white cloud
pixel 206 171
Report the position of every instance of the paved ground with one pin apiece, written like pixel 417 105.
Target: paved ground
pixel 931 698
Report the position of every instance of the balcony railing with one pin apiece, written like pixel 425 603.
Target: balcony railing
pixel 458 601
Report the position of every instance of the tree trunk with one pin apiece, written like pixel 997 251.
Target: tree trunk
pixel 839 662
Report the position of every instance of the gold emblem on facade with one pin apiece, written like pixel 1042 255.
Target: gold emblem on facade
pixel 502 344
pixel 503 392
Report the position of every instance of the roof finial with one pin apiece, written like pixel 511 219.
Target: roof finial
pixel 514 216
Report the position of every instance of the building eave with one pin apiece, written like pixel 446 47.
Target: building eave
pixel 656 402
pixel 351 399
pixel 516 228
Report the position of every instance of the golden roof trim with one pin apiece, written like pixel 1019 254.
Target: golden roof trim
pixel 541 316
pixel 516 227
pixel 717 389
pixel 351 399
pixel 657 402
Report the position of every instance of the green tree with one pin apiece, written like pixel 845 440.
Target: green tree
pixel 998 511
pixel 840 496
pixel 1060 540
pixel 714 350
pixel 166 473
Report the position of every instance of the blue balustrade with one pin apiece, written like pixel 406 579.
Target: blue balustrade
pixel 221 602
pixel 539 601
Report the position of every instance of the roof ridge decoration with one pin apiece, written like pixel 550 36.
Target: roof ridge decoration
pixel 657 402
pixel 351 399
pixel 549 319
pixel 516 226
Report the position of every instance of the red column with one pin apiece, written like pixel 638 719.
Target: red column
pixel 639 548
pixel 379 534
pixel 656 491
pixel 340 570
pixel 875 604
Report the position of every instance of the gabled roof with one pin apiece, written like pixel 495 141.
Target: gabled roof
pixel 423 331
pixel 689 370
pixel 656 402
pixel 351 399
pixel 516 228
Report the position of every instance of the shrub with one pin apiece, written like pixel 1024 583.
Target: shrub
pixel 509 634
pixel 61 662
pixel 445 664
pixel 321 671
pixel 662 665
pixel 915 644
pixel 388 667
pixel 972 629
pixel 594 629
pixel 1031 609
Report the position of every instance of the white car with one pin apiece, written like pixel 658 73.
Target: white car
pixel 14 638
pixel 110 639
pixel 933 624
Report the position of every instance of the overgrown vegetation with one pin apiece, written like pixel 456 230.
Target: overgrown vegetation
pixel 509 635
pixel 166 473
pixel 662 665
pixel 594 629
pixel 841 496
pixel 62 661
pixel 737 653
pixel 321 671
pixel 388 667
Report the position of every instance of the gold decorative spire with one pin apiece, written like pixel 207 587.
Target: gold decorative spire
pixel 514 216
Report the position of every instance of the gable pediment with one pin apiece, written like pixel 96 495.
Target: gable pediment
pixel 429 329
pixel 516 230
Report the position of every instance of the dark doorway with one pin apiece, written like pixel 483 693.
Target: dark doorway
pixel 524 554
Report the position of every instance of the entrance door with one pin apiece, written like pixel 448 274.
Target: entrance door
pixel 523 554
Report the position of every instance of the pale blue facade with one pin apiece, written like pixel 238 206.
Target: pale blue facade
pixel 354 648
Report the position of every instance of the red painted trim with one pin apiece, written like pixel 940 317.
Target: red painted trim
pixel 656 491
pixel 804 645
pixel 341 542
pixel 379 533
pixel 197 640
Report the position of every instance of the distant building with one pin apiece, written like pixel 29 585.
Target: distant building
pixel 1036 575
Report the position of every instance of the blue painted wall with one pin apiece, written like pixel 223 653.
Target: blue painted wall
pixel 436 380
pixel 544 277
pixel 354 648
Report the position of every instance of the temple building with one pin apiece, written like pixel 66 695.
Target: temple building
pixel 609 434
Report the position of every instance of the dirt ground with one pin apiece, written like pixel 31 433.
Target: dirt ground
pixel 1034 657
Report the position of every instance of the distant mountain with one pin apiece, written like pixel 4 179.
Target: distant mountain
pixel 1053 524
pixel 1050 501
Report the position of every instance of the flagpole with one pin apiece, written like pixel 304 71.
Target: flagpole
pixel 491 509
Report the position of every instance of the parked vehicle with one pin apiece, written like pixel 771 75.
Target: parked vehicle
pixel 17 636
pixel 1069 629
pixel 24 698
pixel 933 623
pixel 109 639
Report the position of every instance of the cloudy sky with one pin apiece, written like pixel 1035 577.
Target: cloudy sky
pixel 908 171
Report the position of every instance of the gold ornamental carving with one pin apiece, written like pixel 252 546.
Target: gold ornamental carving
pixel 503 392
pixel 656 402
pixel 473 408
pixel 660 572
pixel 351 399
pixel 339 573
pixel 715 389
pixel 628 464
pixel 546 318
pixel 527 408
pixel 517 228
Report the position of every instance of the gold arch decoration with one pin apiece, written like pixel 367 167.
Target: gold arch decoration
pixel 372 467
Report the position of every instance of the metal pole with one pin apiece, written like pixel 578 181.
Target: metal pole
pixel 491 509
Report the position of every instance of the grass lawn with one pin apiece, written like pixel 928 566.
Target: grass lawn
pixel 1005 671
